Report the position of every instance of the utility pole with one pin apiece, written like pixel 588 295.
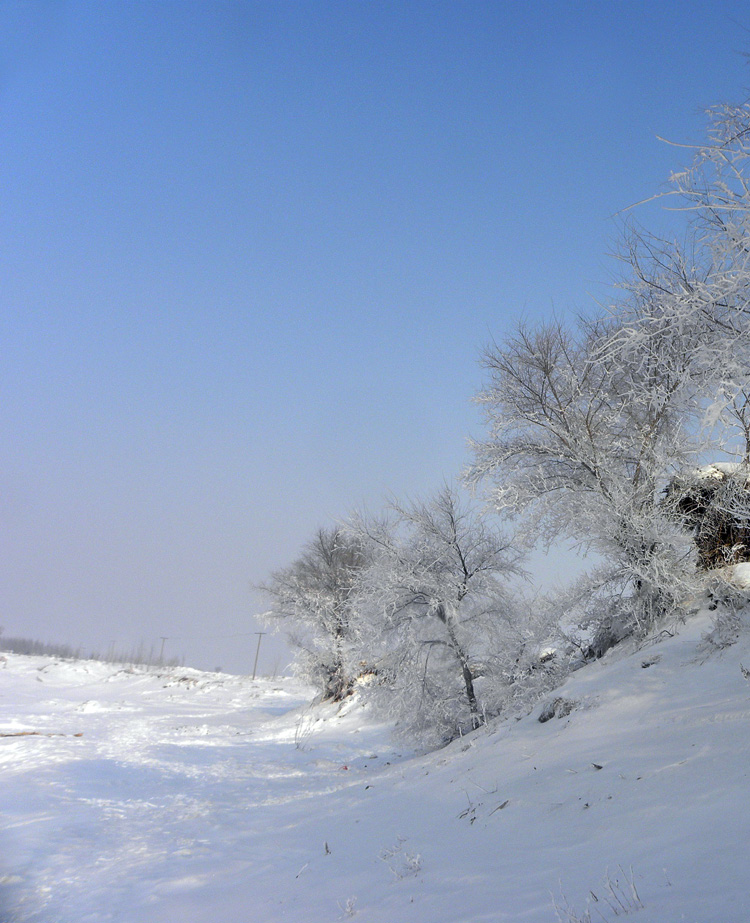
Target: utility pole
pixel 257 651
pixel 161 652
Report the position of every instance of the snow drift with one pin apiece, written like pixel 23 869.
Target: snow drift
pixel 165 797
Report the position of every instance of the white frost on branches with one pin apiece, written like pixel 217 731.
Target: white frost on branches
pixel 435 606
pixel 595 430
pixel 313 599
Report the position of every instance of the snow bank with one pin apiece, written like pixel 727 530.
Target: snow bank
pixel 217 800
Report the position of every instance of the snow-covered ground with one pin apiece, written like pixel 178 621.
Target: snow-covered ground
pixel 186 796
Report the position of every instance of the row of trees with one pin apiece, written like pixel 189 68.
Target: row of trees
pixel 588 425
pixel 415 605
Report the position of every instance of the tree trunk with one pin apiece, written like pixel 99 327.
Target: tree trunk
pixel 338 684
pixel 468 676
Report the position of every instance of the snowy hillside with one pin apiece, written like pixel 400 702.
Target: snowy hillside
pixel 187 796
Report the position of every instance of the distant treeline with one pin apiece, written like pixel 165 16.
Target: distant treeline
pixel 142 655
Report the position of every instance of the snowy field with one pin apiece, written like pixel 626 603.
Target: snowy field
pixel 186 796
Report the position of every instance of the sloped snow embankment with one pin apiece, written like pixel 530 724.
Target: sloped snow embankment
pixel 210 799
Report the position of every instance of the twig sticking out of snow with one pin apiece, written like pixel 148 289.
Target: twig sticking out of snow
pixel 621 898
pixel 348 909
pixel 401 862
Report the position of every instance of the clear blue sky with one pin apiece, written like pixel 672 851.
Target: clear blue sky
pixel 250 253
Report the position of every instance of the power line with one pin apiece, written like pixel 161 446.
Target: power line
pixel 213 637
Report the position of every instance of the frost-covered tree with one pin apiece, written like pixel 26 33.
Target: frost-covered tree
pixel 703 288
pixel 312 600
pixel 588 424
pixel 583 435
pixel 690 311
pixel 428 605
pixel 714 191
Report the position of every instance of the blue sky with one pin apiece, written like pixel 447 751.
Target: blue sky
pixel 250 254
